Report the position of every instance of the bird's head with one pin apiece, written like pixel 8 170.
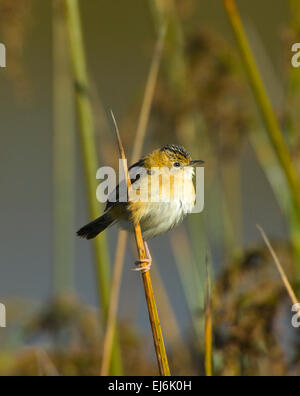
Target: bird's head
pixel 171 156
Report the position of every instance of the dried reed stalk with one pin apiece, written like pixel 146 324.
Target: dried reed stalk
pixel 148 97
pixel 137 151
pixel 149 294
pixel 90 158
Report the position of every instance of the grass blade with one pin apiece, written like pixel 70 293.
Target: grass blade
pixel 63 157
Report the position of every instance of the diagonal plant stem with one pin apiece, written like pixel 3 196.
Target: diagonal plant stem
pixel 159 344
pixel 272 126
pixel 264 104
pixel 87 133
pixel 148 97
pixel 137 150
pixel 282 273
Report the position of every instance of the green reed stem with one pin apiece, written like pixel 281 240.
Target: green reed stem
pixel 264 104
pixel 63 157
pixel 87 133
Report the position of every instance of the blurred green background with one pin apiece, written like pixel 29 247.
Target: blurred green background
pixel 203 101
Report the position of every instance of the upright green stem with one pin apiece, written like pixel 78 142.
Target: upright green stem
pixel 159 344
pixel 264 104
pixel 87 131
pixel 272 169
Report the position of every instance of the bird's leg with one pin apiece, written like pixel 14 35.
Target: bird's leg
pixel 138 263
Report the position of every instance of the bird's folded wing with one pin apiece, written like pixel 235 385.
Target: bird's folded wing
pixel 120 193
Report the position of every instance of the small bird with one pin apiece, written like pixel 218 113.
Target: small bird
pixel 161 195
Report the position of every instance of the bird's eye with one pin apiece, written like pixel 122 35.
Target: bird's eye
pixel 176 164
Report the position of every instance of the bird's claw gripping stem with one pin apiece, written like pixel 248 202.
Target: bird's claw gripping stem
pixel 139 263
pixel 143 268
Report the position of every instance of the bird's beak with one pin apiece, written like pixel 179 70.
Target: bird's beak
pixel 196 162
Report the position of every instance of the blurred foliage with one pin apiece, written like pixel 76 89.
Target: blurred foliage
pixel 16 20
pixel 209 109
pixel 65 338
pixel 218 93
pixel 250 313
pixel 250 310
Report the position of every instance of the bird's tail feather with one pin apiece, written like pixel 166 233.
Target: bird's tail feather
pixel 97 226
